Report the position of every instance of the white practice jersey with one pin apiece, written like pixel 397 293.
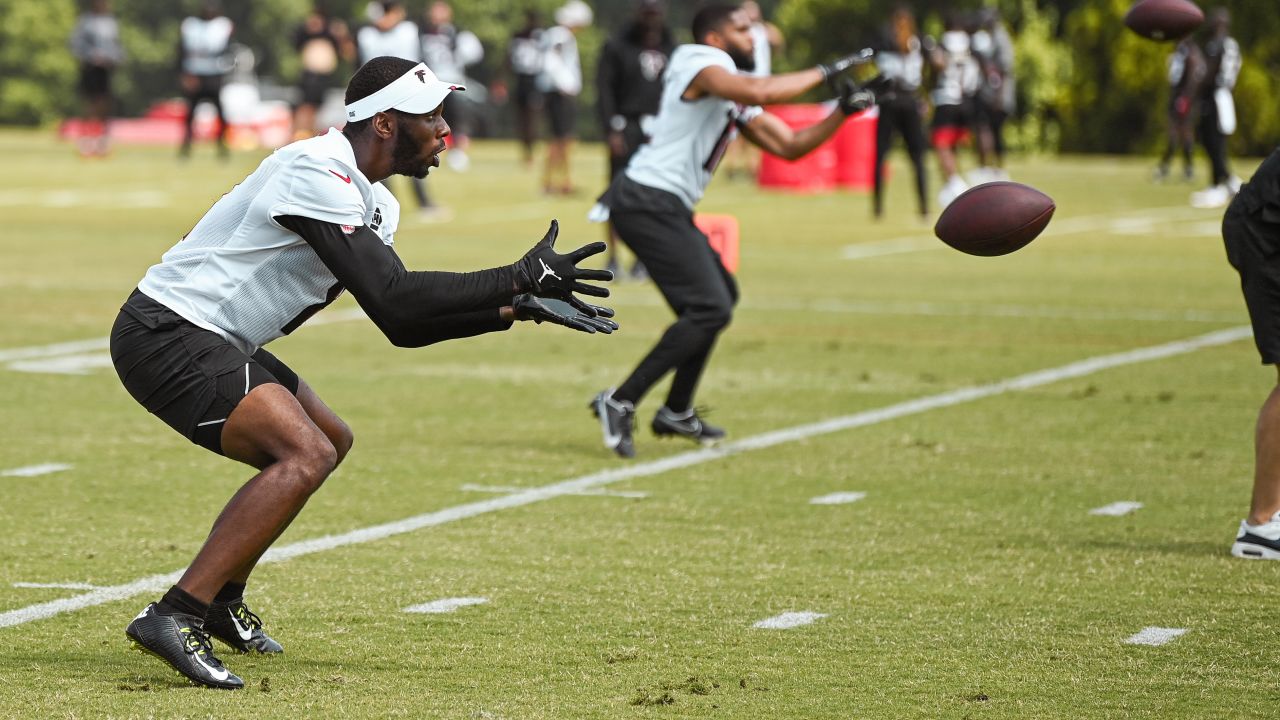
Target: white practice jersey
pixel 204 45
pixel 400 41
pixel 240 274
pixel 561 66
pixel 689 138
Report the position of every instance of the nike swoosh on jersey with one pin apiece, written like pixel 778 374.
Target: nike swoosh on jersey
pixel 343 178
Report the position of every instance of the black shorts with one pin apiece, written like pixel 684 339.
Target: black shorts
pixel 562 114
pixel 313 87
pixel 526 93
pixel 187 376
pixel 1253 249
pixel 95 81
pixel 952 116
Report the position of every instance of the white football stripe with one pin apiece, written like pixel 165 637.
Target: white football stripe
pixel 1155 636
pixel 34 470
pixel 595 492
pixel 788 620
pixel 447 605
pixel 951 398
pixel 58 586
pixel 1116 509
pixel 838 498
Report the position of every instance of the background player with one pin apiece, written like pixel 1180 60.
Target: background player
pixel 1218 109
pixel 321 41
pixel 309 223
pixel 901 62
pixel 1186 72
pixel 956 81
pixel 203 59
pixel 95 43
pixel 706 100
pixel 628 88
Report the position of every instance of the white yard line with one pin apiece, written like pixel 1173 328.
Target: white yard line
pixel 56 586
pixel 447 605
pixel 788 620
pixel 1116 509
pixel 35 470
pixel 1155 636
pixel 158 583
pixel 838 498
pixel 509 489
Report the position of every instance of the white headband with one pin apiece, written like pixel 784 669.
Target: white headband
pixel 416 92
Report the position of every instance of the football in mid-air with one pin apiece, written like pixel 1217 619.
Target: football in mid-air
pixel 1164 19
pixel 995 218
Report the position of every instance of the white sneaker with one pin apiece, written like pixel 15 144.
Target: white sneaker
pixel 951 190
pixel 1212 197
pixel 1233 185
pixel 1258 542
pixel 458 160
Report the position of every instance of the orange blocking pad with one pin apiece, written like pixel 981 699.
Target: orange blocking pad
pixel 722 231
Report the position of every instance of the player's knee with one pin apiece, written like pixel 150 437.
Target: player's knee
pixel 315 458
pixel 342 442
pixel 714 317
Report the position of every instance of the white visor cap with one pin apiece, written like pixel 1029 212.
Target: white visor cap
pixel 416 92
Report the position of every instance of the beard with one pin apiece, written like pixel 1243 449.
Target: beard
pixel 404 157
pixel 744 61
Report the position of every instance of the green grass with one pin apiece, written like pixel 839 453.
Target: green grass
pixel 970 582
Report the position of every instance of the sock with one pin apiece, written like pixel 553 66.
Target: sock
pixel 229 593
pixel 178 601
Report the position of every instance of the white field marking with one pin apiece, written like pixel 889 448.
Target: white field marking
pixel 446 605
pixel 78 357
pixel 838 498
pixel 63 586
pixel 80 198
pixel 595 492
pixel 1155 636
pixel 788 620
pixel 1123 222
pixel 63 364
pixel 1081 368
pixel 1116 509
pixel 34 470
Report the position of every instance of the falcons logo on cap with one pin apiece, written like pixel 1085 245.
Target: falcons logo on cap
pixel 422 76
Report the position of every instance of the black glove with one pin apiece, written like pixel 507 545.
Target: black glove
pixel 538 309
pixel 546 273
pixel 855 98
pixel 831 71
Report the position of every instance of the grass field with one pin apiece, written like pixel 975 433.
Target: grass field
pixel 970 581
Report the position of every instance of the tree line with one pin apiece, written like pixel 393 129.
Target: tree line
pixel 1085 83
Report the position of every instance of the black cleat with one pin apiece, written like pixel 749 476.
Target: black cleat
pixel 687 425
pixel 236 625
pixel 617 418
pixel 180 641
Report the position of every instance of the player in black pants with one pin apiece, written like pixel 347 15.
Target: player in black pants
pixel 706 101
pixel 628 88
pixel 1251 231
pixel 901 62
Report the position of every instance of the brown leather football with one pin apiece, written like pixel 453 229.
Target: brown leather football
pixel 1164 19
pixel 994 218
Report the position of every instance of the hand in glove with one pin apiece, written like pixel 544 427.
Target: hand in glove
pixel 548 274
pixel 541 309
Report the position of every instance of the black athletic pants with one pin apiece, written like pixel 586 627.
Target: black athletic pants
pixel 208 89
pixel 901 114
pixel 1215 143
pixel 659 229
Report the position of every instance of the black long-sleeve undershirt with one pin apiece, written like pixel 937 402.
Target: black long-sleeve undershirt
pixel 412 308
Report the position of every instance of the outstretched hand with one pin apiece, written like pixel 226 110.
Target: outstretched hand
pixel 542 309
pixel 832 71
pixel 548 274
pixel 854 98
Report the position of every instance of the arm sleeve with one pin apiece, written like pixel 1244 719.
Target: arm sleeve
pixel 412 309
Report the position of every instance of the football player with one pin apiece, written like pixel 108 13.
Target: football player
pixel 311 222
